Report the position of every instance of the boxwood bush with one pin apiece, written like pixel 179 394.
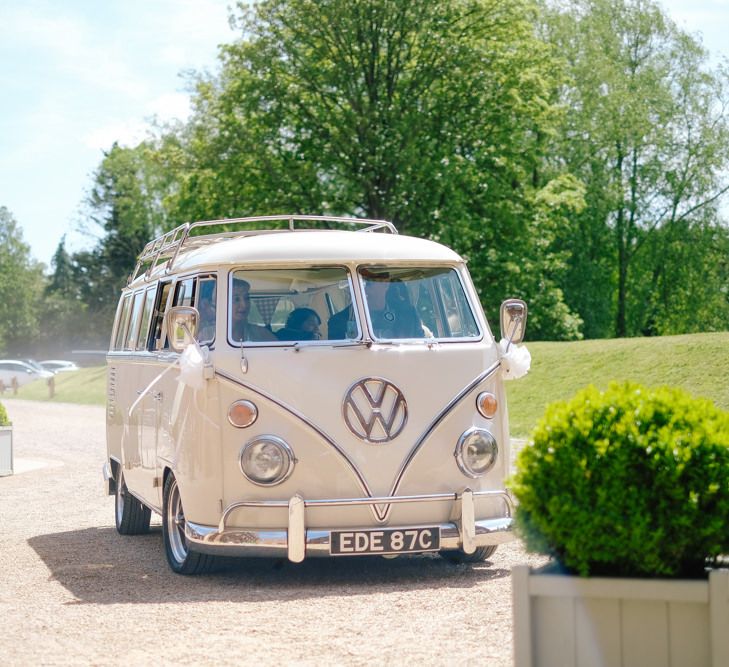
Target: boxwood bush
pixel 4 421
pixel 627 482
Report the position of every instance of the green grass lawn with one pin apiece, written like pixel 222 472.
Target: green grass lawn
pixel 698 363
pixel 87 386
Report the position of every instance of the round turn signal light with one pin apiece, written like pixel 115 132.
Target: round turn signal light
pixel 242 414
pixel 487 404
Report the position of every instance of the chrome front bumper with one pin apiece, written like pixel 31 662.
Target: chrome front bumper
pixel 298 542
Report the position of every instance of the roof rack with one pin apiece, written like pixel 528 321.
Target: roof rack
pixel 169 245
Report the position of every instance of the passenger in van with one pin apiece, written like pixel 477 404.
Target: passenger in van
pixel 242 329
pixel 301 324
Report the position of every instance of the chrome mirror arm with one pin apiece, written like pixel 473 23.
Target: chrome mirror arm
pixel 514 329
pixel 243 359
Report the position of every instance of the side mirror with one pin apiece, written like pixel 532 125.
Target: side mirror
pixel 513 320
pixel 181 323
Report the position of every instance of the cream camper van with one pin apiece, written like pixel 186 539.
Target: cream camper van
pixel 300 391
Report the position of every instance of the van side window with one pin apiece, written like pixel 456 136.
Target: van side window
pixel 184 295
pixel 206 297
pixel 115 325
pixel 123 322
pixel 146 317
pixel 157 334
pixel 134 321
pixel 185 292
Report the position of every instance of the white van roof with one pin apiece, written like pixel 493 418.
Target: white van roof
pixel 288 246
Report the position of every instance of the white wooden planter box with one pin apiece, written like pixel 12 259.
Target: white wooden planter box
pixel 6 450
pixel 564 621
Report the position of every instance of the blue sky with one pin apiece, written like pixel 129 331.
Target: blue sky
pixel 76 75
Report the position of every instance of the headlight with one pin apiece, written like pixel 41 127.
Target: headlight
pixel 267 460
pixel 476 452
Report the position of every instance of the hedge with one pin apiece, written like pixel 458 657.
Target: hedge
pixel 627 482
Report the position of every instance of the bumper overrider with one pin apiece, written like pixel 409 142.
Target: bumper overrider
pixel 298 542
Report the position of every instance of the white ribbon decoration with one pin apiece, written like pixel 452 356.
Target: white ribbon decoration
pixel 516 362
pixel 192 366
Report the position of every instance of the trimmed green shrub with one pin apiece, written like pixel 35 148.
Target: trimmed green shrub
pixel 4 421
pixel 627 482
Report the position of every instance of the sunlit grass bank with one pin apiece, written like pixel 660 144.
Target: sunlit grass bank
pixel 87 386
pixel 698 363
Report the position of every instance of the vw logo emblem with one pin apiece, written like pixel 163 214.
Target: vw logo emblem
pixel 375 410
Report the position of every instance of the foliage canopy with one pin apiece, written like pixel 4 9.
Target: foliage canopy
pixel 575 152
pixel 647 132
pixel 427 114
pixel 21 280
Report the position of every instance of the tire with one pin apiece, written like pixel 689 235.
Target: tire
pixel 180 557
pixel 132 517
pixel 478 556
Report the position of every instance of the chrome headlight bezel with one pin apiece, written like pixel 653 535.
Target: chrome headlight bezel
pixel 288 460
pixel 464 453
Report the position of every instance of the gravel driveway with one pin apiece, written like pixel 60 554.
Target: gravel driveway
pixel 73 591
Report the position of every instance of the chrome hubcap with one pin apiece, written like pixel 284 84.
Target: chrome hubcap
pixel 176 524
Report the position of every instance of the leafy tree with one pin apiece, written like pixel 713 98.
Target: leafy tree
pixel 21 282
pixel 65 316
pixel 124 211
pixel 62 279
pixel 647 132
pixel 686 277
pixel 123 204
pixel 433 115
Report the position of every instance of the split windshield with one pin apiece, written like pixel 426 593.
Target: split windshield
pixel 411 303
pixel 316 304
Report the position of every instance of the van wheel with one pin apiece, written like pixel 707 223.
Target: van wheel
pixel 132 516
pixel 478 556
pixel 181 559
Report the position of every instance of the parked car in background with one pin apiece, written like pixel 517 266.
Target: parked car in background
pixel 33 364
pixel 17 373
pixel 59 365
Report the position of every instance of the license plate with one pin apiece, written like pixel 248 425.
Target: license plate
pixel 384 541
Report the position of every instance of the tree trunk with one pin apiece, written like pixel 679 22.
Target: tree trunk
pixel 620 326
pixel 622 239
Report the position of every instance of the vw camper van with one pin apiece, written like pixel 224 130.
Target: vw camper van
pixel 320 387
